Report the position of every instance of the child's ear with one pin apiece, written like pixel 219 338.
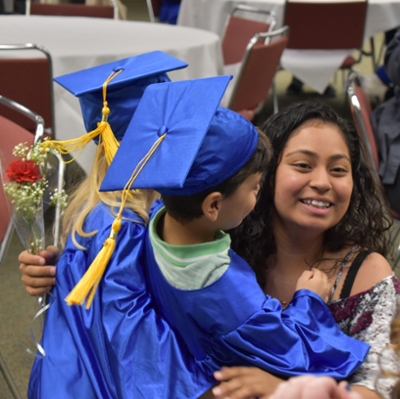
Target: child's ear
pixel 212 206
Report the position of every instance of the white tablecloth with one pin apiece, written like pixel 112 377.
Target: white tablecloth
pixel 76 43
pixel 313 67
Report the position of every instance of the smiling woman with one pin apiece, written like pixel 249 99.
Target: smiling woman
pixel 320 207
pixel 315 178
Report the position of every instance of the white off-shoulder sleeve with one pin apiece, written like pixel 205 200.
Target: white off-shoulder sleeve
pixel 371 323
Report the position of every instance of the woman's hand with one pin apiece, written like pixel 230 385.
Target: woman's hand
pixel 38 271
pixel 310 387
pixel 244 383
pixel 315 280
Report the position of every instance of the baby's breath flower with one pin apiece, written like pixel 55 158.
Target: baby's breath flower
pixel 25 189
pixel 59 198
pixel 21 150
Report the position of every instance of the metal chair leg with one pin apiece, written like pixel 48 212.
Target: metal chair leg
pixel 373 54
pixel 151 11
pixel 8 377
pixel 274 97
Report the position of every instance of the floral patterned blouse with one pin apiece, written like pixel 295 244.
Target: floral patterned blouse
pixel 367 316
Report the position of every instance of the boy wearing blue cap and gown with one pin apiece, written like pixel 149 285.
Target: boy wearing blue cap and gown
pixel 120 347
pixel 192 152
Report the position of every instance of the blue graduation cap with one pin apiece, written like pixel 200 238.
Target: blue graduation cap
pixel 132 76
pixel 180 142
pixel 109 95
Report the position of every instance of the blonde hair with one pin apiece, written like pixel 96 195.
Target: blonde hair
pixel 87 196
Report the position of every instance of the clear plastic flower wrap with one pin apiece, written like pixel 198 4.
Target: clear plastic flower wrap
pixel 31 184
pixel 30 187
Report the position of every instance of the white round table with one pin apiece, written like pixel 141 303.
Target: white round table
pixel 77 42
pixel 382 15
pixel 314 67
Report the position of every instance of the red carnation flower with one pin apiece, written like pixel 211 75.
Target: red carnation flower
pixel 23 172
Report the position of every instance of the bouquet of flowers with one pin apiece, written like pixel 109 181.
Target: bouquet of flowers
pixel 30 186
pixel 28 192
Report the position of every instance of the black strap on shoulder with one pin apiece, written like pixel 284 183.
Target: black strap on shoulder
pixel 352 273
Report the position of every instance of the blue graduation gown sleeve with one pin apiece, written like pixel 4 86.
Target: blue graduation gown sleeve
pixel 231 322
pixel 120 347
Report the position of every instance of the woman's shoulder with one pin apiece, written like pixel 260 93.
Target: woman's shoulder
pixel 355 314
pixel 373 270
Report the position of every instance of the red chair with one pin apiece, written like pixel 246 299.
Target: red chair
pixel 361 111
pixel 327 25
pixel 11 135
pixel 28 81
pixel 72 10
pixel 239 29
pixel 257 72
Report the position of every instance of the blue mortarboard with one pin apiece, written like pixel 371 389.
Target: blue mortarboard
pixel 179 142
pixel 123 91
pixel 204 144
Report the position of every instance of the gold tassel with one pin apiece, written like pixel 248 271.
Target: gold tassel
pixel 110 143
pixel 87 286
pixel 103 131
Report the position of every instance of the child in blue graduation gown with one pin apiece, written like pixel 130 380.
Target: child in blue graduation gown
pixel 207 163
pixel 120 347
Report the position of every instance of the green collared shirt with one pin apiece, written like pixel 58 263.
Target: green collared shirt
pixel 190 267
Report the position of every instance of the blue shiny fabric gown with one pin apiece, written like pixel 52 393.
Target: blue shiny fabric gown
pixel 231 322
pixel 119 348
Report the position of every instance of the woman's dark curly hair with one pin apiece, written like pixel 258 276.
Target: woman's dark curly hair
pixel 366 222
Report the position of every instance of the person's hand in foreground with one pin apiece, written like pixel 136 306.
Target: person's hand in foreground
pixel 38 271
pixel 310 387
pixel 251 383
pixel 244 383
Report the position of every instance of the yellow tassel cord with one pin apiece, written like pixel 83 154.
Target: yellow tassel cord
pixel 87 286
pixel 103 131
